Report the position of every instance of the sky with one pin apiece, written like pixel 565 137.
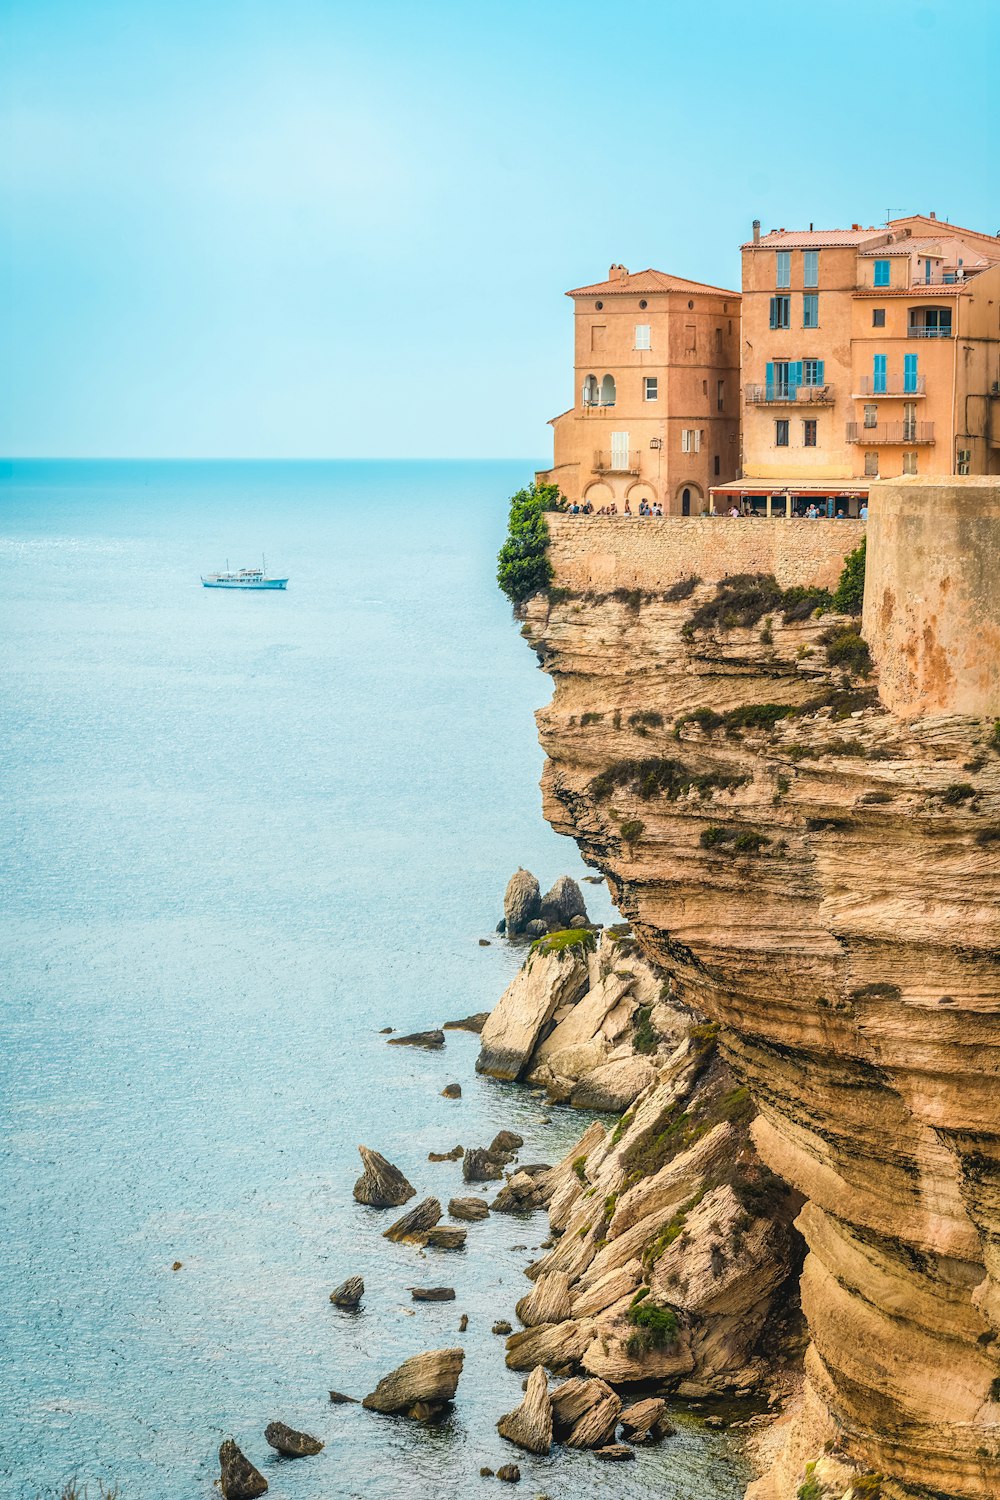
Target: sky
pixel 309 228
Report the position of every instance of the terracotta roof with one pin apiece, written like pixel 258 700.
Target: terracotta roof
pixel 810 239
pixel 946 289
pixel 942 227
pixel 648 281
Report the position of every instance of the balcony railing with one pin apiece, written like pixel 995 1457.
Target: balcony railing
pixel 919 434
pixel 597 405
pixel 921 331
pixel 788 395
pixel 617 463
pixel 900 385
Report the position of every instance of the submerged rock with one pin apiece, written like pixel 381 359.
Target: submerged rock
pixel 455 1154
pixel 420 1387
pixel 474 1023
pixel 522 901
pixel 381 1185
pixel 418 1039
pixel 529 1426
pixel 337 1398
pixel 501 1327
pixel 451 1091
pixel 432 1293
pixel 445 1237
pixel 414 1225
pixel 616 1453
pixel 239 1480
pixel 349 1293
pixel 563 902
pixel 291 1443
pixel 509 1473
pixel 471 1209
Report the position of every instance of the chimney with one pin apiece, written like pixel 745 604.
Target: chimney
pixel 855 226
pixel 933 215
pixel 756 231
pixel 619 271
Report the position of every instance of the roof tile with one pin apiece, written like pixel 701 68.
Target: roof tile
pixel 648 281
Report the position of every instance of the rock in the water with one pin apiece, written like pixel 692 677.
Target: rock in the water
pixel 646 1421
pixel 386 1030
pixel 239 1479
pixel 563 902
pixel 572 1399
pixel 291 1443
pixel 522 901
pixel 432 1293
pixel 505 1144
pixel 473 1023
pixel 455 1154
pixel 451 1091
pixel 471 1209
pixel 520 1193
pixel 484 943
pixel 349 1293
pixel 418 1039
pixel 554 1345
pixel 445 1237
pixel 616 1453
pixel 479 1166
pixel 421 1386
pixel 547 1302
pixel 596 1426
pixel 463 1322
pixel 509 1473
pixel 537 928
pixel 339 1399
pixel 415 1224
pixel 502 1327
pixel 529 1426
pixel 381 1185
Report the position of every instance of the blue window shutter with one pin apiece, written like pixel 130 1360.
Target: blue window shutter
pixel 819 372
pixel 795 374
pixel 878 381
pixel 769 375
pixel 909 372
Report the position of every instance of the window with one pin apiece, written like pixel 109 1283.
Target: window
pixel 963 460
pixel 781 433
pixel 878 317
pixel 810 268
pixel 591 391
pixel 810 310
pixel 882 272
pixel 690 338
pixel 871 415
pixel 718 341
pixel 779 375
pixel 871 465
pixel 878 375
pixel 783 268
pixel 642 336
pixel 930 323
pixel 619 451
pixel 911 380
pixel 608 391
pixel 909 421
pixel 716 464
pixel 720 395
pixel 781 312
pixel 812 371
pixel 691 440
pixel 909 463
pixel 809 433
pixel 649 387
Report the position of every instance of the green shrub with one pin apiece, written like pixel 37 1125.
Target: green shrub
pixel 591 718
pixel 523 566
pixel 656 1327
pixel 959 791
pixel 846 648
pixel 732 840
pixel 645 719
pixel 661 777
pixel 757 715
pixel 569 937
pixel 580 1168
pixel 644 1038
pixel 681 590
pixel 849 595
pixel 740 600
pixel 877 798
pixel 706 718
pixel 559 596
pixel 631 829
pixel 800 603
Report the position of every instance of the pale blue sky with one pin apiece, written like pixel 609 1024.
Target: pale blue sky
pixel 308 228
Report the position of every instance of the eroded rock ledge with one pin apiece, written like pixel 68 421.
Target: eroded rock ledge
pixel 822 880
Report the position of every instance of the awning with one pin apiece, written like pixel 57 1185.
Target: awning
pixel 820 489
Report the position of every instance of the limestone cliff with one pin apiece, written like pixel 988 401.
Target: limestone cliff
pixel 821 879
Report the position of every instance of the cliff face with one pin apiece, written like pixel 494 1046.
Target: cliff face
pixel 821 879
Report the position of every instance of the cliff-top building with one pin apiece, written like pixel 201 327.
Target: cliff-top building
pixel 656 414
pixel 866 353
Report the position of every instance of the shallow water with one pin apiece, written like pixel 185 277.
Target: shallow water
pixel 241 833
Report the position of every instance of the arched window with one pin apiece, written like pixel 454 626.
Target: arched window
pixel 591 392
pixel 608 391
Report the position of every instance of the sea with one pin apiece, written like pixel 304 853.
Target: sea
pixel 241 834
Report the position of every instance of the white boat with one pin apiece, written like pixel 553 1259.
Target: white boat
pixel 243 578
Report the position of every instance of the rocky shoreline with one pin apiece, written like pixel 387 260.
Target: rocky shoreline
pixel 671 1266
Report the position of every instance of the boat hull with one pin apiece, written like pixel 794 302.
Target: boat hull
pixel 267 583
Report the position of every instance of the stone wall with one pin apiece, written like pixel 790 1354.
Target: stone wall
pixel 599 554
pixel 932 595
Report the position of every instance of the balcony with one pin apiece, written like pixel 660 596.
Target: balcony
pixel 788 395
pixel 909 434
pixel 625 462
pixel 891 388
pixel 922 331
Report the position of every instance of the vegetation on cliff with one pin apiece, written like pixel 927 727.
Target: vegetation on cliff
pixel 523 565
pixel 849 595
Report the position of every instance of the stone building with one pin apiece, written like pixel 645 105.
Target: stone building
pixel 656 410
pixel 866 353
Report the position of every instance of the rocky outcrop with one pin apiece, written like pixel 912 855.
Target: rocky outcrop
pixel 381 1185
pixel 239 1480
pixel 291 1443
pixel 521 903
pixel 547 981
pixel 529 1426
pixel 471 1209
pixel 415 1225
pixel 349 1293
pixel 562 903
pixel 429 1039
pixel 819 878
pixel 421 1387
pixel 479 1166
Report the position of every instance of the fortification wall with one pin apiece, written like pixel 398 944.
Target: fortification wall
pixel 932 595
pixel 599 554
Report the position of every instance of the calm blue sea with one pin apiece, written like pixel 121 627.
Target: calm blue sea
pixel 241 833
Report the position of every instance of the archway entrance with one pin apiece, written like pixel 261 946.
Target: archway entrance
pixel 689 496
